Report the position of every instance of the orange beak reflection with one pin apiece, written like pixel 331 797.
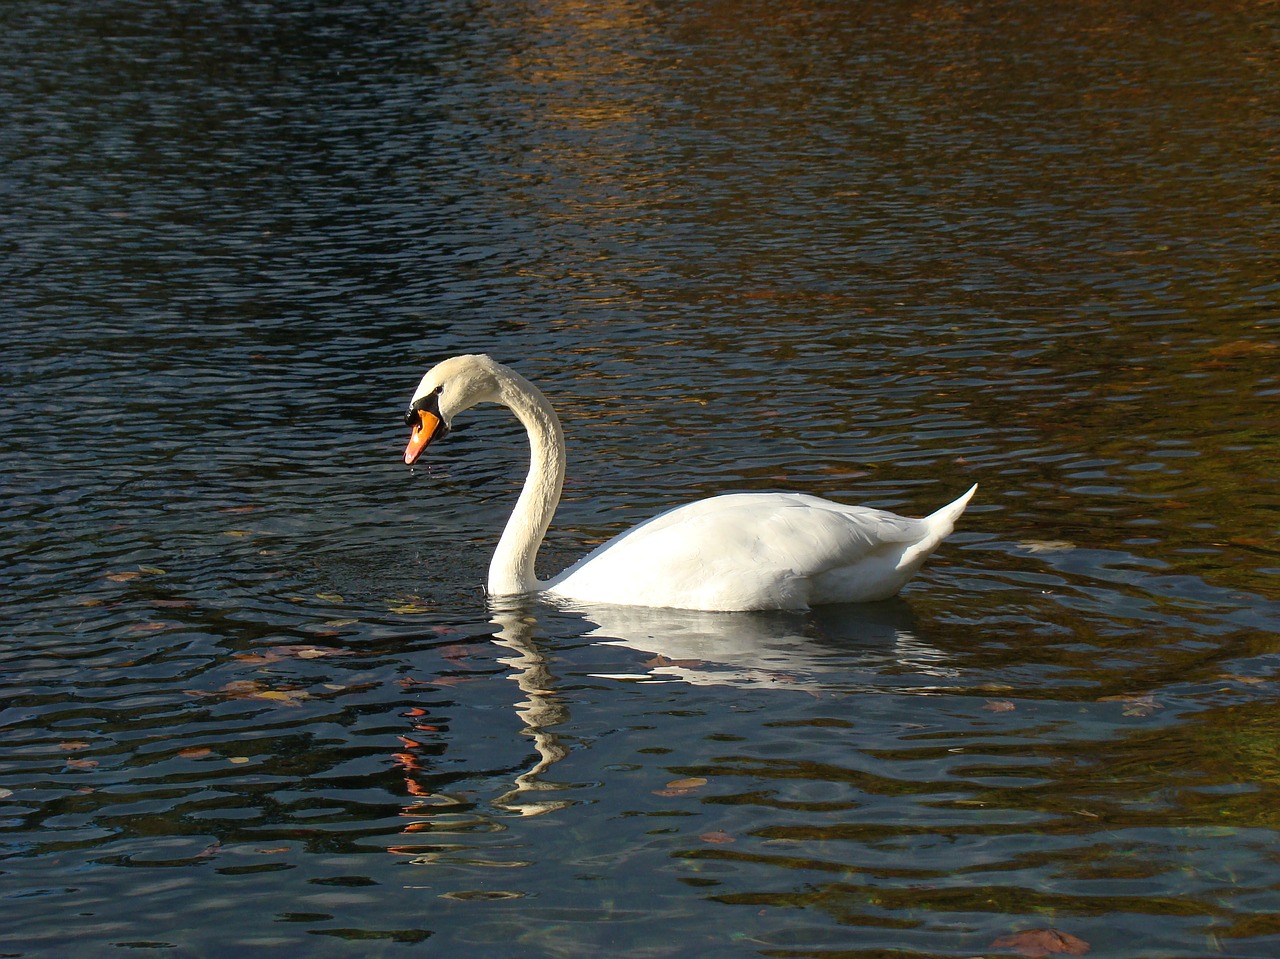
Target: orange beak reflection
pixel 423 433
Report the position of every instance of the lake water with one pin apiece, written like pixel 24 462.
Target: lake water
pixel 252 699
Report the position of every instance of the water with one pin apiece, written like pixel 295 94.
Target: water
pixel 252 696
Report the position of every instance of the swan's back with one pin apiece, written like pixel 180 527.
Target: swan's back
pixel 758 551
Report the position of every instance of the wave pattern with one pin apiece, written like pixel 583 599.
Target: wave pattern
pixel 250 694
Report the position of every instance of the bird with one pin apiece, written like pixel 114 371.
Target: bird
pixel 730 552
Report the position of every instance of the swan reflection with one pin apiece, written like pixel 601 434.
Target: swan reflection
pixel 540 711
pixel 834 650
pixel 436 814
pixel 826 648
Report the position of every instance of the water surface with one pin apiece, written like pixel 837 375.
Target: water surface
pixel 253 698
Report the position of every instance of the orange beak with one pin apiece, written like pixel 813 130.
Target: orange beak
pixel 423 433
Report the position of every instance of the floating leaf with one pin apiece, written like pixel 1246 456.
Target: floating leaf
pixel 681 787
pixel 81 763
pixel 718 837
pixel 73 746
pixel 999 706
pixel 1135 705
pixel 409 609
pixel 237 532
pixel 238 760
pixel 258 659
pixel 240 687
pixel 1042 942
pixel 195 752
pixel 151 570
pixel 330 597
pixel 278 653
pixel 339 623
pixel 124 577
pixel 152 627
pixel 1047 545
pixel 312 652
pixel 691 783
pixel 287 697
pixel 253 689
pixel 1141 708
pixel 660 661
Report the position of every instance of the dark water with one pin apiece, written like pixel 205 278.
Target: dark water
pixel 252 699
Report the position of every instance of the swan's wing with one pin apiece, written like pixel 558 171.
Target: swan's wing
pixel 748 551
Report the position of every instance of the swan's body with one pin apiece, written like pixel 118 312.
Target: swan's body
pixel 736 551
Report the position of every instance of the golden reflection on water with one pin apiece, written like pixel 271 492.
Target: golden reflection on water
pixel 1047 255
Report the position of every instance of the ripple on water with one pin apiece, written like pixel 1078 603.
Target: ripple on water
pixel 250 693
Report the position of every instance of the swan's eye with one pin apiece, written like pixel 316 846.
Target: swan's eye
pixel 430 403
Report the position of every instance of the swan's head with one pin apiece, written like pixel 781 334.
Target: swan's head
pixel 449 387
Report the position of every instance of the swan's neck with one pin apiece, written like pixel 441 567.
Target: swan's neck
pixel 511 570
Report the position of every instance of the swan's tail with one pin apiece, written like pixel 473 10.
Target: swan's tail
pixel 939 525
pixel 943 521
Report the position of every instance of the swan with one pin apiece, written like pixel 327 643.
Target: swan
pixel 734 551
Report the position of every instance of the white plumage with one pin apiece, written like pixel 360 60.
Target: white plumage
pixel 737 551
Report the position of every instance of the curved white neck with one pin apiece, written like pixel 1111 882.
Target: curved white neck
pixel 511 570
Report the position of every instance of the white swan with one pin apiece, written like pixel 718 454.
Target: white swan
pixel 737 551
